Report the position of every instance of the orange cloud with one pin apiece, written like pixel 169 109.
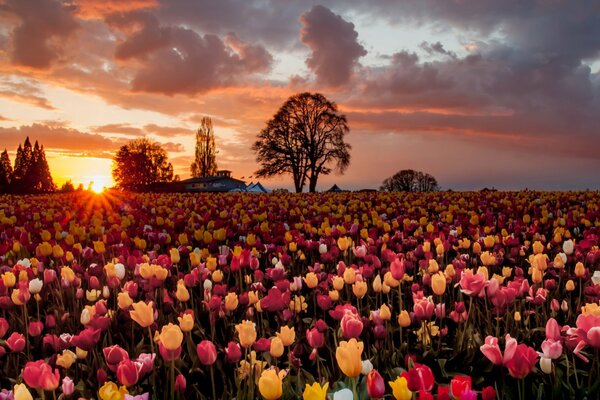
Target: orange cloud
pixel 98 9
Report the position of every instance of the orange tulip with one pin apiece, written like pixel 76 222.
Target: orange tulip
pixel 142 313
pixel 247 333
pixel 348 356
pixel 171 336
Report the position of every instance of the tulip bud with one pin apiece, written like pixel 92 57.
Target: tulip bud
pixel 570 285
pixel 517 316
pixel 180 383
pixel 68 387
pixel 207 352
pixel 404 319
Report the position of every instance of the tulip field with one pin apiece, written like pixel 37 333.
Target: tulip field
pixel 448 295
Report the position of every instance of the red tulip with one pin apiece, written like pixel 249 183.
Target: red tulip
pixel 375 385
pixel 35 328
pixel 472 284
pixel 3 327
pixel 207 352
pixel 443 393
pixel 180 383
pixel 488 393
pixel 315 338
pixel 39 375
pixel 460 384
pixel 128 372
pixel 113 356
pixel 233 353
pixel 523 361
pixel 169 355
pixel 397 269
pixel 423 309
pixel 101 376
pixel 16 342
pixel 420 378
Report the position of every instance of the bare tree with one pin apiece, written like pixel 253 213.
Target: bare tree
pixel 304 138
pixel 409 180
pixel 205 163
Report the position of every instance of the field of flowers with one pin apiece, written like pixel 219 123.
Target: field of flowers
pixel 479 295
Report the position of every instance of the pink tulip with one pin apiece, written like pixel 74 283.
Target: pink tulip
pixel 491 350
pixel 68 386
pixel 472 284
pixel 351 324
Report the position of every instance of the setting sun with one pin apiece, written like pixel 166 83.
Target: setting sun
pixel 97 187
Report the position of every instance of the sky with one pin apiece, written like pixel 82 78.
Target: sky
pixel 478 93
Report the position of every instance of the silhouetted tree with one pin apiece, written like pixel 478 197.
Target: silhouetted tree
pixel 205 163
pixel 31 173
pixel 67 187
pixel 5 172
pixel 409 180
pixel 140 163
pixel 304 138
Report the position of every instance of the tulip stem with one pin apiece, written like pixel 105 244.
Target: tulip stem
pixel 212 381
pixel 354 388
pixel 172 373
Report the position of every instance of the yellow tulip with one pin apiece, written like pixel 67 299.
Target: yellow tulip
pixel 359 289
pixel 171 336
pixel 99 247
pixel 287 335
pixel 343 243
pixel 247 333
pixel 270 384
pixel 570 285
pixel 348 356
pixel 186 322
pixel 400 389
pixel 276 349
pixel 9 279
pixel 438 283
pixel 311 280
pixel 110 391
pixel 175 257
pixel 123 300
pixel 315 391
pixel 217 276
pixel 66 359
pixel 404 319
pixel 384 313
pixel 349 276
pixel 579 270
pixel 538 247
pixel 20 392
pixel 142 313
pixel 377 284
pixel 337 283
pixel 231 301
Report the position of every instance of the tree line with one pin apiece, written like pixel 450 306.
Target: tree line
pixel 31 173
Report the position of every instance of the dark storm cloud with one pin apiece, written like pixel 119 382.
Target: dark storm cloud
pixel 334 45
pixel 174 59
pixel 42 27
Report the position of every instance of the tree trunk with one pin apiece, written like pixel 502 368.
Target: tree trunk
pixel 313 183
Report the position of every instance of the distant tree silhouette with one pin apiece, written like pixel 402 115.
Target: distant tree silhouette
pixel 205 163
pixel 5 172
pixel 67 187
pixel 303 139
pixel 409 180
pixel 140 163
pixel 31 173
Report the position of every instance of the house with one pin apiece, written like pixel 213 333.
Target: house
pixel 335 188
pixel 256 188
pixel 222 182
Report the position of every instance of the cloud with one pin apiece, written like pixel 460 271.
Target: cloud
pixel 43 27
pixel 334 45
pixel 173 59
pixel 124 129
pixel 98 9
pixel 166 131
pixel 173 147
pixel 23 91
pixel 56 137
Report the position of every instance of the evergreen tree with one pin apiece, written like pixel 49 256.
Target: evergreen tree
pixel 20 182
pixel 205 163
pixel 41 176
pixel 5 172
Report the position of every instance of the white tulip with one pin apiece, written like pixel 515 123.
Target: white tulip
pixel 568 247
pixel 344 394
pixel 546 365
pixel 35 285
pixel 322 248
pixel 120 270
pixel 596 278
pixel 85 316
pixel 367 366
pixel 208 284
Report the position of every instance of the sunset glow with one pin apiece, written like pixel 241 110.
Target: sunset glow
pixel 443 88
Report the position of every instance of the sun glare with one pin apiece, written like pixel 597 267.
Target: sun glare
pixel 97 187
